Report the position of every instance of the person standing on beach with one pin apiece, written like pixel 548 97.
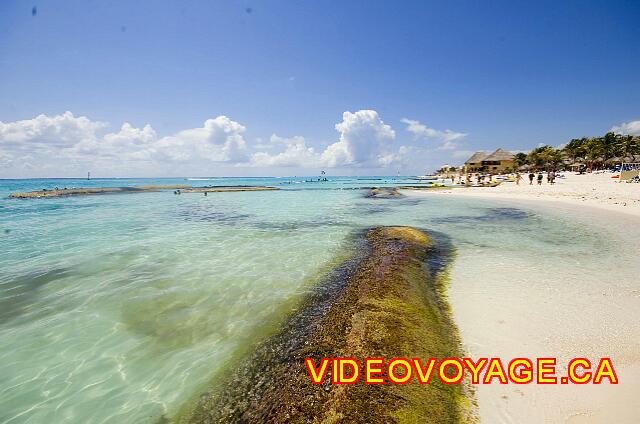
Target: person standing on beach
pixel 531 177
pixel 552 177
pixel 539 178
pixel 518 178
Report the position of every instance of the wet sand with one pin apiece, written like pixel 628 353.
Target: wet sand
pixel 528 311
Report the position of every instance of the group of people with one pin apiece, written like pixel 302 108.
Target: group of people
pixel 480 179
pixel 551 177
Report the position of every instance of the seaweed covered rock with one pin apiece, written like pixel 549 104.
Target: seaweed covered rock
pixel 384 193
pixel 387 304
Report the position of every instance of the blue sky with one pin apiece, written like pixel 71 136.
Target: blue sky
pixel 282 74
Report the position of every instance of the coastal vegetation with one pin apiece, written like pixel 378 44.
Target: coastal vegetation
pixel 590 152
pixel 386 304
pixel 579 154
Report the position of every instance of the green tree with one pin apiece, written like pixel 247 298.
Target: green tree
pixel 629 146
pixel 594 150
pixel 610 146
pixel 576 149
pixel 520 159
pixel 545 157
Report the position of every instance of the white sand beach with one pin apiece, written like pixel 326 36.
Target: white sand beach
pixel 596 189
pixel 531 311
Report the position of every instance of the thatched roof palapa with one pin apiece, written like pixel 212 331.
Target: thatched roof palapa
pixel 477 157
pixel 499 155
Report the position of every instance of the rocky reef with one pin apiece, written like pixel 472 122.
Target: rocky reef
pixel 223 189
pixel 385 302
pixel 86 191
pixel 383 193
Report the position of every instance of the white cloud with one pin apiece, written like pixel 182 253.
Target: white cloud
pixel 52 131
pixel 5 159
pixel 129 135
pixel 295 154
pixel 63 141
pixel 449 145
pixel 449 139
pixel 68 145
pixel 632 128
pixel 398 158
pixel 130 143
pixel 364 140
pixel 218 140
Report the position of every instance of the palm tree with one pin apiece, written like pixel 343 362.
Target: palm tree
pixel 594 150
pixel 610 143
pixel 519 159
pixel 629 146
pixel 545 157
pixel 576 149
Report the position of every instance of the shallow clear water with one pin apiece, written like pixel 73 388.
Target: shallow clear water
pixel 119 308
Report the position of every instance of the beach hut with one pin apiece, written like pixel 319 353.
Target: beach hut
pixel 498 161
pixel 575 167
pixel 474 163
pixel 613 161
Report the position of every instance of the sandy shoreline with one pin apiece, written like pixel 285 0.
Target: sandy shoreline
pixel 533 313
pixel 595 190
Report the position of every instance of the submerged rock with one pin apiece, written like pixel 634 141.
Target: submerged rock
pixel 384 193
pixel 86 191
pixel 222 189
pixel 384 303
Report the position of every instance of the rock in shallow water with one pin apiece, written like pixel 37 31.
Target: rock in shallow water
pixel 383 303
pixel 384 193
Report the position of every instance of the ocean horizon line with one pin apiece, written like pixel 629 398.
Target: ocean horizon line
pixel 203 177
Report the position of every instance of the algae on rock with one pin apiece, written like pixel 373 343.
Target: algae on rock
pixel 386 304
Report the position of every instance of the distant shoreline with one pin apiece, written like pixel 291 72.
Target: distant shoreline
pixel 592 190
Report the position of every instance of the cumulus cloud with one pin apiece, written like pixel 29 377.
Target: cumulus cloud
pixel 60 131
pixel 66 144
pixel 218 140
pixel 364 140
pixel 69 138
pixel 295 154
pixel 627 128
pixel 129 143
pixel 449 139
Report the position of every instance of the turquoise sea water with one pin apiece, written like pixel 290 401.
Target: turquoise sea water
pixel 119 308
